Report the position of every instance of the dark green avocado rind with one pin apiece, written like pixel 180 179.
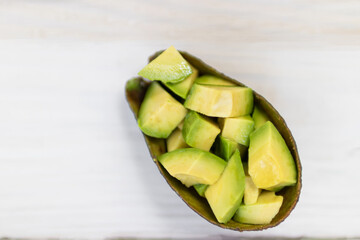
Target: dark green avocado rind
pixel 135 91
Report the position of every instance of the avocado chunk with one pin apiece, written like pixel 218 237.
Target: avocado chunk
pixel 225 148
pixel 199 131
pixel 182 88
pixel 200 189
pixel 271 165
pixel 193 166
pixel 262 212
pixel 159 113
pixel 237 129
pixel 175 141
pixel 220 101
pixel 169 66
pixel 226 194
pixel 181 125
pixel 212 80
pixel 260 117
pixel 252 192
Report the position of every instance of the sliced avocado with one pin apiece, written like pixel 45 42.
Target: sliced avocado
pixel 226 194
pixel 225 148
pixel 159 113
pixel 169 66
pixel 271 165
pixel 251 192
pixel 260 117
pixel 262 212
pixel 212 80
pixel 175 141
pixel 199 131
pixel 237 129
pixel 220 101
pixel 182 88
pixel 193 166
pixel 200 189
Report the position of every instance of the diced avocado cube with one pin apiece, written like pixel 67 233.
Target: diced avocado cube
pixel 220 101
pixel 271 165
pixel 159 113
pixel 225 195
pixel 175 141
pixel 237 129
pixel 169 66
pixel 212 80
pixel 200 189
pixel 252 192
pixel 199 131
pixel 260 117
pixel 182 88
pixel 193 166
pixel 225 148
pixel 262 212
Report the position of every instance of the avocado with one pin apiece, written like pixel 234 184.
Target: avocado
pixel 175 141
pixel 193 166
pixel 200 189
pixel 226 194
pixel 180 126
pixel 220 101
pixel 159 113
pixel 225 148
pixel 169 66
pixel 271 165
pixel 251 192
pixel 199 131
pixel 182 88
pixel 260 117
pixel 237 129
pixel 212 80
pixel 262 212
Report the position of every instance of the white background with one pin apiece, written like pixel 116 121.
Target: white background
pixel 73 163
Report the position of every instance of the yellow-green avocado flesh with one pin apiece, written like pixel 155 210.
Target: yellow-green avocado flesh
pixel 159 113
pixel 261 212
pixel 220 101
pixel 271 165
pixel 226 194
pixel 199 131
pixel 168 67
pixel 193 166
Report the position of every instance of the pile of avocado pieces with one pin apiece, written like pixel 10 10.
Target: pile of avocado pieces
pixel 235 160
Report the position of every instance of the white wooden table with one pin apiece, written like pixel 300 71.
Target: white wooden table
pixel 73 163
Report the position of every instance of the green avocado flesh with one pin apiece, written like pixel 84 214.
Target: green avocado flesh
pixel 199 131
pixel 182 88
pixel 237 129
pixel 169 66
pixel 200 189
pixel 193 166
pixel 271 165
pixel 252 192
pixel 220 101
pixel 259 116
pixel 212 80
pixel 226 194
pixel 225 148
pixel 261 212
pixel 175 141
pixel 159 113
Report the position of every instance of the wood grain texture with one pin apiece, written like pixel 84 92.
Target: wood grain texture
pixel 73 163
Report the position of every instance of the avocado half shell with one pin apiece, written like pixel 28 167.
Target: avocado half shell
pixel 135 91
